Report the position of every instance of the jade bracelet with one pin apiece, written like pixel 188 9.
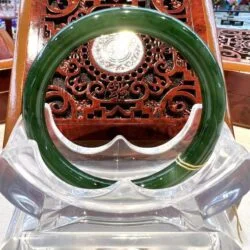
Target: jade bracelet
pixel 143 21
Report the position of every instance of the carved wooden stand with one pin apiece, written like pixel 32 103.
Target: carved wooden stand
pixel 90 103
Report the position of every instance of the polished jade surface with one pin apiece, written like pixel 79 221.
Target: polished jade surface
pixel 142 21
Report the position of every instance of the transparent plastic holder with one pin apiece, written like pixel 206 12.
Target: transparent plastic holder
pixel 56 209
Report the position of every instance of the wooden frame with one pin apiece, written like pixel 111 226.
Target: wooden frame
pixel 234 46
pixel 6 61
pixel 30 41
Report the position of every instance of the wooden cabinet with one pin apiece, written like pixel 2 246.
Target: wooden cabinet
pixel 40 20
pixel 235 51
pixel 238 87
pixel 6 60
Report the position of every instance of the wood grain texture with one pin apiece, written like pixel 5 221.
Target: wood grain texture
pixel 240 109
pixel 20 66
pixel 3 105
pixel 6 60
pixel 238 87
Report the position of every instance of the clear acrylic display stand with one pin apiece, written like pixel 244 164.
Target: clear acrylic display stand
pixel 51 214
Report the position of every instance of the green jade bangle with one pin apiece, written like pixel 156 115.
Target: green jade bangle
pixel 143 21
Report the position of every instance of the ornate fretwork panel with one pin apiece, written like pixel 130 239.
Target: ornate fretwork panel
pixel 41 19
pixel 155 87
pixel 235 45
pixel 161 86
pixel 61 12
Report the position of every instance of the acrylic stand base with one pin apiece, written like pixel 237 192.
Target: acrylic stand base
pixel 142 233
pixel 121 241
pixel 51 214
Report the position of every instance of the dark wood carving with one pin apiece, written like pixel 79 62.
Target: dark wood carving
pixel 235 45
pixel 157 95
pixel 162 89
pixel 39 20
pixel 61 12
